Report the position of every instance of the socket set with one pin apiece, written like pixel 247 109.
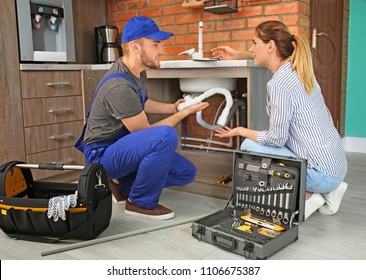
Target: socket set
pixel 265 209
pixel 267 189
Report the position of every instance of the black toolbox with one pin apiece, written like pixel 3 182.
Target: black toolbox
pixel 48 211
pixel 265 209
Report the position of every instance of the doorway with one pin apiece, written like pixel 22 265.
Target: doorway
pixel 327 42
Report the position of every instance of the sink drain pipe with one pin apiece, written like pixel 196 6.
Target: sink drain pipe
pixel 221 122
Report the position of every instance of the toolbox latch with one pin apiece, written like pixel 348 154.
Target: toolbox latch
pixel 201 231
pixel 248 249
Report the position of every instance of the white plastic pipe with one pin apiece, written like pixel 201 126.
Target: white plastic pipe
pixel 200 40
pixel 198 99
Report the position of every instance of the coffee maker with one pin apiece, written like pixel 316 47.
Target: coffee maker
pixel 108 45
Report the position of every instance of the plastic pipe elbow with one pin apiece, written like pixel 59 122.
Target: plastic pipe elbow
pixel 188 102
pixel 223 117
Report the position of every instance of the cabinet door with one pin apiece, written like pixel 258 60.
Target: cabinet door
pixel 38 84
pixel 90 80
pixel 50 137
pixel 52 110
pixel 87 14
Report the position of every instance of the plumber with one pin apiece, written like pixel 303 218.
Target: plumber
pixel 139 156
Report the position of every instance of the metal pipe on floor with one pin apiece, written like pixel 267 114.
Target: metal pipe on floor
pixel 119 236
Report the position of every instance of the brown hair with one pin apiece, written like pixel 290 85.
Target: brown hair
pixel 293 47
pixel 125 49
pixel 125 46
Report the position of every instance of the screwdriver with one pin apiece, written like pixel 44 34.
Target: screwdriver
pixel 262 223
pixel 224 179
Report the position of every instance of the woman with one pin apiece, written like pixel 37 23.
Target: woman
pixel 300 124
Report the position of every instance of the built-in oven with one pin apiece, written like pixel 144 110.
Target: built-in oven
pixel 45 30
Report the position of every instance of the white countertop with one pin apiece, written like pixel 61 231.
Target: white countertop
pixel 205 64
pixel 169 64
pixel 50 66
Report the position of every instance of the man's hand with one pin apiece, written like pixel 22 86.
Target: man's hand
pixel 176 104
pixel 196 108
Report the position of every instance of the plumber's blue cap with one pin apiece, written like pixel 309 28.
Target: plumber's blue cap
pixel 140 26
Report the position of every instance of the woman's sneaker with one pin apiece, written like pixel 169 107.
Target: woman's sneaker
pixel 159 213
pixel 333 200
pixel 312 204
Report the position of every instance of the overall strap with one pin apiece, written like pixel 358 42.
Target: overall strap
pixel 143 98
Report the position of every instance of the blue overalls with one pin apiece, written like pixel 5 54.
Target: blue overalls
pixel 144 162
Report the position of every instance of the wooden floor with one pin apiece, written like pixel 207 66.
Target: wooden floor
pixel 338 237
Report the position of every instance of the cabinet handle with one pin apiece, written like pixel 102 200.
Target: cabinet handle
pixel 61 110
pixel 58 137
pixel 57 84
pixel 68 160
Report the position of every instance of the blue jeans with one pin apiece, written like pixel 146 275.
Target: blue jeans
pixel 316 180
pixel 144 162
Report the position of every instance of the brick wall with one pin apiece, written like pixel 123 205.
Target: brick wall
pixel 233 29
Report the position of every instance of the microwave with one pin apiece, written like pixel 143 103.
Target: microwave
pixel 45 30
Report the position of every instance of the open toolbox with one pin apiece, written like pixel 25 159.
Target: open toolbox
pixel 265 209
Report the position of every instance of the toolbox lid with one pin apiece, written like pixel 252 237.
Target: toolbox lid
pixel 270 186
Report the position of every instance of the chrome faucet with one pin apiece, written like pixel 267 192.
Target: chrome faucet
pixel 192 52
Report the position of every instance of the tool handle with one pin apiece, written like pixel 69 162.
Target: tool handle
pixel 50 166
pixel 280 173
pixel 229 245
pixel 262 223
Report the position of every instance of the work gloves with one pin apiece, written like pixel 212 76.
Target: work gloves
pixel 57 206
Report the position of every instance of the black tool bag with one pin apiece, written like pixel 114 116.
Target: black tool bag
pixel 25 204
pixel 266 207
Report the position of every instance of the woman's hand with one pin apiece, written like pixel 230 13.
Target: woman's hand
pixel 228 53
pixel 227 132
pixel 224 52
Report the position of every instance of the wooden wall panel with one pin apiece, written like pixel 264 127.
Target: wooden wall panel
pixel 87 15
pixel 11 116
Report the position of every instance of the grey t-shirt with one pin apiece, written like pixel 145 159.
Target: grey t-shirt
pixel 116 99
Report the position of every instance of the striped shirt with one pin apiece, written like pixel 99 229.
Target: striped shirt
pixel 302 123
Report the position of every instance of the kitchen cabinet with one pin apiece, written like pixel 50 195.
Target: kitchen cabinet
pixel 87 14
pixel 52 117
pixel 256 77
pixel 40 122
pixel 54 99
pixel 164 86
